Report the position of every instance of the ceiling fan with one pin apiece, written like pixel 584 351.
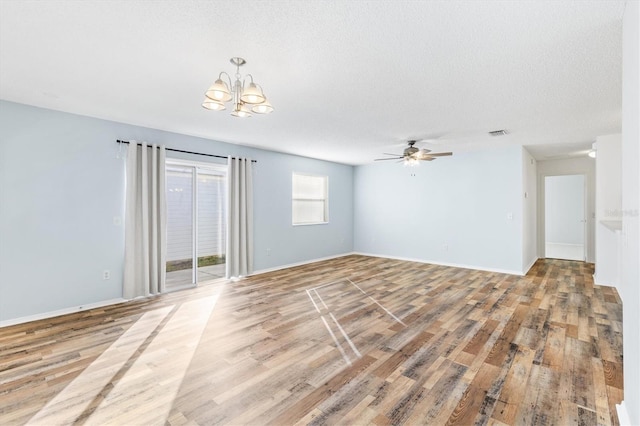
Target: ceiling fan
pixel 413 155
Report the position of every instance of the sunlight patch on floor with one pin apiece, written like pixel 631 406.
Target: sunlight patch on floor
pixel 124 386
pixel 69 404
pixel 323 308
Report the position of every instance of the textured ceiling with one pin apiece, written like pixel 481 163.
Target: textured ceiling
pixel 348 79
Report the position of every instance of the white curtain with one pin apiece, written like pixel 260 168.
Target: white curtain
pixel 145 221
pixel 239 258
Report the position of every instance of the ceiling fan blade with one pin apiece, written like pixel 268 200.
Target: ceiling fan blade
pixel 440 154
pixel 424 151
pixel 427 158
pixel 430 137
pixel 398 145
pixel 395 155
pixel 383 159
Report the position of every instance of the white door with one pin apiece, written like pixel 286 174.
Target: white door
pixel 564 218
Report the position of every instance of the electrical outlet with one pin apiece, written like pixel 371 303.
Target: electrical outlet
pixel 445 247
pixel 268 252
pixel 106 274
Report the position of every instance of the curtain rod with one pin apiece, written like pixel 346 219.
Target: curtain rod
pixel 185 152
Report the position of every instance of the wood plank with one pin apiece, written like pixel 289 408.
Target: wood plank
pixel 600 390
pixel 473 347
pixel 612 374
pixel 474 402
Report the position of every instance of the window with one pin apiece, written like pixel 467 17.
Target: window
pixel 310 199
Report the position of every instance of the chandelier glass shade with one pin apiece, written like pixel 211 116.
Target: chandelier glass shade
pixel 245 97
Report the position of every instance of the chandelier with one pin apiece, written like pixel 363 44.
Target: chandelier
pixel 246 98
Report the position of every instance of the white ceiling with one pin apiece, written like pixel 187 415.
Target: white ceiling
pixel 348 79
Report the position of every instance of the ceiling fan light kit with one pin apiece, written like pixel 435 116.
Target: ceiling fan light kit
pixel 413 155
pixel 246 97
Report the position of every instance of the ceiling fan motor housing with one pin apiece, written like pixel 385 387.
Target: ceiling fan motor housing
pixel 410 151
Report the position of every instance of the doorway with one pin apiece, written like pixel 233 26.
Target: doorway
pixel 565 221
pixel 196 223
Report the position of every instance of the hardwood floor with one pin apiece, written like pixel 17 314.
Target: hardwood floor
pixel 354 340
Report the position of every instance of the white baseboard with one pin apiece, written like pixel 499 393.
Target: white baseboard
pixel 597 281
pixel 454 265
pixel 73 309
pixel 623 414
pixel 65 311
pixel 88 306
pixel 304 262
pixel 525 271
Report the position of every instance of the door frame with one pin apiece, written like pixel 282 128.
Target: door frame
pixel 584 212
pixel 542 210
pixel 205 166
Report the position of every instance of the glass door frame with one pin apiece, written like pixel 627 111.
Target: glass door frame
pixel 196 167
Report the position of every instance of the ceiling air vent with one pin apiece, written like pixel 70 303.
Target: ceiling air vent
pixel 498 132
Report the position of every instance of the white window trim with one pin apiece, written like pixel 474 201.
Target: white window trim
pixel 325 199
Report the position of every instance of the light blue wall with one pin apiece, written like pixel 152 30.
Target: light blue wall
pixel 462 202
pixel 61 186
pixel 630 273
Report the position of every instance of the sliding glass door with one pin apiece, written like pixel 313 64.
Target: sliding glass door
pixel 196 223
pixel 211 229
